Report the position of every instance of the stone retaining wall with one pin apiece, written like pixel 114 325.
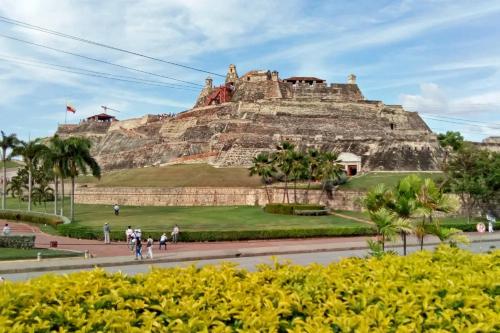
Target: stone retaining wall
pixel 208 196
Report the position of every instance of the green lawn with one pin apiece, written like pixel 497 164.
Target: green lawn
pixel 366 181
pixel 17 254
pixel 10 164
pixel 183 175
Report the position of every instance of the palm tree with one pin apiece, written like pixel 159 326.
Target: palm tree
pixel 312 159
pixel 404 202
pixel 384 221
pixel 31 152
pixel 431 199
pixel 284 163
pixel 43 193
pixel 6 142
pixel 79 160
pixel 298 170
pixel 329 169
pixel 263 165
pixel 55 159
pixel 377 197
pixel 16 189
pixel 450 235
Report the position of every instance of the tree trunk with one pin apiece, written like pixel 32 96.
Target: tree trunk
pixel 322 191
pixel 295 191
pixel 62 197
pixel 285 194
pixel 306 195
pixel 29 190
pixel 4 183
pixel 383 243
pixel 72 199
pixel 404 243
pixel 56 185
pixel 267 193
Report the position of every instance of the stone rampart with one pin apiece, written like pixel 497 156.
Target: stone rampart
pixel 209 196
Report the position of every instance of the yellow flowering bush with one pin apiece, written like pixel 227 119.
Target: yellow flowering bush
pixel 449 290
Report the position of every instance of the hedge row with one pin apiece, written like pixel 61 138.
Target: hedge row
pixel 449 290
pixel 39 218
pixel 288 209
pixel 223 235
pixel 17 242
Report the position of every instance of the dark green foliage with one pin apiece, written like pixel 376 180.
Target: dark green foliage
pixel 288 209
pixel 225 235
pixel 17 241
pixel 30 217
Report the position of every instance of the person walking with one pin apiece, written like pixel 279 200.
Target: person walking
pixel 106 233
pixel 6 230
pixel 175 234
pixel 163 241
pixel 116 208
pixel 128 237
pixel 138 248
pixel 149 247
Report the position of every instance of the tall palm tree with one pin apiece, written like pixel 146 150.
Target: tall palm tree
pixel 329 169
pixel 31 152
pixel 79 160
pixel 263 165
pixel 298 168
pixel 55 160
pixel 312 160
pixel 6 142
pixel 284 163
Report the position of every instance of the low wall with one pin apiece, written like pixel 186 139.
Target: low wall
pixel 208 196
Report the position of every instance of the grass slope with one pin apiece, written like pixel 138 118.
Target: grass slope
pixel 184 175
pixel 10 164
pixel 369 180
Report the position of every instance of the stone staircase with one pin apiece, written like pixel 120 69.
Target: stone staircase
pixel 237 156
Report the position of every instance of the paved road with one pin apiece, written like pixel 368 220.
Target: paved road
pixel 250 263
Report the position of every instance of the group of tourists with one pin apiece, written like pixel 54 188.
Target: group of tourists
pixel 136 243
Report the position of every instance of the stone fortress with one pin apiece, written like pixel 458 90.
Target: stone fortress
pixel 232 123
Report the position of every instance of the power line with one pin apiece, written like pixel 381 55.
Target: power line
pixel 84 71
pixel 453 118
pixel 462 123
pixel 83 40
pixel 90 74
pixel 97 60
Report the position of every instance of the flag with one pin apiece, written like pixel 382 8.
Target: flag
pixel 69 108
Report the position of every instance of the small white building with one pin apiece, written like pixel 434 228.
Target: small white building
pixel 351 163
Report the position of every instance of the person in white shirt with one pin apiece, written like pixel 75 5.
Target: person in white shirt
pixel 116 208
pixel 149 247
pixel 175 234
pixel 163 241
pixel 128 237
pixel 6 230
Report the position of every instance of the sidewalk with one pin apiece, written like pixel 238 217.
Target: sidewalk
pixel 117 254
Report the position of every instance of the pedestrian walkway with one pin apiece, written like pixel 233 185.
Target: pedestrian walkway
pixel 117 253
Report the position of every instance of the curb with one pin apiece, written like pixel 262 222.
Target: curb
pixel 249 252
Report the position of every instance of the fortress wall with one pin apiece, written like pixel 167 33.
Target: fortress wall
pixel 204 196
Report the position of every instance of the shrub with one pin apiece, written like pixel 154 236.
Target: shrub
pixel 39 218
pixel 449 290
pixel 17 241
pixel 288 209
pixel 75 231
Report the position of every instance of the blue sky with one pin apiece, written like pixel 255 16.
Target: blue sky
pixel 441 58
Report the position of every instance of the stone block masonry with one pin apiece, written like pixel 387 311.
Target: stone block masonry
pixel 208 196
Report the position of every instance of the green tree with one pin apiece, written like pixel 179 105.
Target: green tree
pixel 450 235
pixel 79 160
pixel 31 152
pixel 16 188
pixel 263 165
pixel 384 223
pixel 298 170
pixel 283 162
pixel 329 170
pixel 43 193
pixel 312 161
pixel 7 142
pixel 55 160
pixel 450 142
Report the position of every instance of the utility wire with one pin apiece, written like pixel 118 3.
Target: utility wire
pixel 453 118
pixel 89 74
pixel 83 40
pixel 84 71
pixel 95 59
pixel 462 123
